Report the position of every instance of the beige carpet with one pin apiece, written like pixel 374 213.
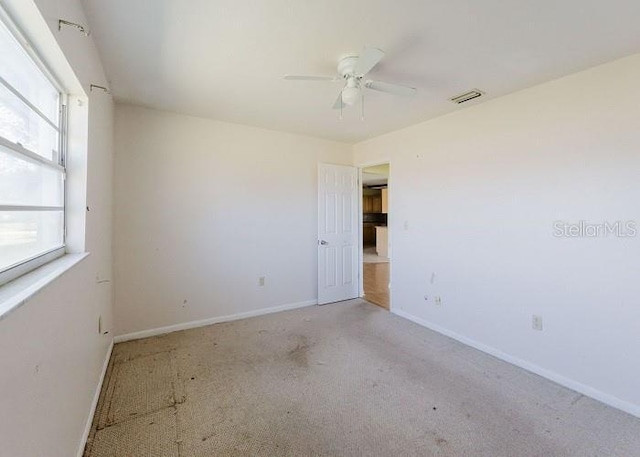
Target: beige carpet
pixel 344 379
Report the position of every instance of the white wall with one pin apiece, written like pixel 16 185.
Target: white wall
pixel 52 355
pixel 205 208
pixel 480 190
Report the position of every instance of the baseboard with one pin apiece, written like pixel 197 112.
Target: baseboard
pixel 211 320
pixel 94 403
pixel 555 377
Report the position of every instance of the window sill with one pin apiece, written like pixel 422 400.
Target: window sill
pixel 17 292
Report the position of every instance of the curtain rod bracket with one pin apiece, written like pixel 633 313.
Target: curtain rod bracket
pixel 102 88
pixel 79 27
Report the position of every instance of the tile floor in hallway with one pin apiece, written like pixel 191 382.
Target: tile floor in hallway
pixel 376 277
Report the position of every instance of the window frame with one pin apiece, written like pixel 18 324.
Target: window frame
pixel 31 263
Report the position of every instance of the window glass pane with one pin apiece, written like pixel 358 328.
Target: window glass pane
pixel 26 182
pixel 25 234
pixel 23 182
pixel 19 70
pixel 20 124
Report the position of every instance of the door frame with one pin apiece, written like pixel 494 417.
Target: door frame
pixel 360 167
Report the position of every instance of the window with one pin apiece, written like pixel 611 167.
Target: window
pixel 32 173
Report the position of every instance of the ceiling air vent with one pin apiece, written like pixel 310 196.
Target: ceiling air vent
pixel 467 96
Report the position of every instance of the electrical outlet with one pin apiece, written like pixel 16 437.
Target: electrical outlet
pixel 438 300
pixel 261 281
pixel 536 322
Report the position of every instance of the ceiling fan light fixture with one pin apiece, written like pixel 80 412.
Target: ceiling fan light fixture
pixel 351 92
pixel 350 95
pixel 353 71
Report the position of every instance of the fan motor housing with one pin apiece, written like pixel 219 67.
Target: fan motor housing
pixel 347 65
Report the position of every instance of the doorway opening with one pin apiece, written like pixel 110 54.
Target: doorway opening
pixel 376 255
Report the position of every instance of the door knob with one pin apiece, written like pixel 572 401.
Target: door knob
pixel 323 242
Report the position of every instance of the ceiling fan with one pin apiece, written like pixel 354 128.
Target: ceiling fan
pixel 353 71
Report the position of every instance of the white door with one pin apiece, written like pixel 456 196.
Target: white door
pixel 337 233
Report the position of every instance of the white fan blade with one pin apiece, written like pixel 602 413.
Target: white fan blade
pixel 369 58
pixel 310 78
pixel 395 89
pixel 339 103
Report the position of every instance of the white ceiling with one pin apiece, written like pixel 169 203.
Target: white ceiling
pixel 372 179
pixel 375 175
pixel 225 59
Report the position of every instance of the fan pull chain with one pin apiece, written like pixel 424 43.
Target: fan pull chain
pixel 362 106
pixel 341 105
